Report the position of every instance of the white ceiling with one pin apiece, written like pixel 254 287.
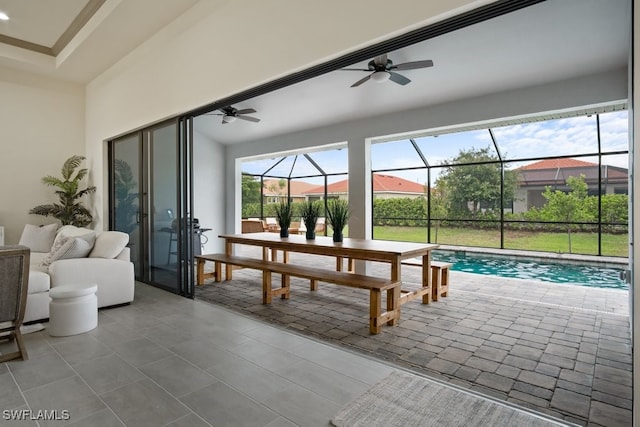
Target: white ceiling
pixel 118 27
pixel 551 41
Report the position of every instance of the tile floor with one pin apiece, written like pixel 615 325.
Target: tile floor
pixel 166 360
pixel 170 361
pixel 561 350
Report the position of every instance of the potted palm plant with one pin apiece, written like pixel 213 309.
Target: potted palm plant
pixel 284 213
pixel 337 217
pixel 310 211
pixel 69 211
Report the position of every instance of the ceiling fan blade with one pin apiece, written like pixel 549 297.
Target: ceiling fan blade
pixel 381 60
pixel 246 111
pixel 354 69
pixel 359 82
pixel 398 78
pixel 413 65
pixel 248 118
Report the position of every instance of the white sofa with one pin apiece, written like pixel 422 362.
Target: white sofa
pixel 107 264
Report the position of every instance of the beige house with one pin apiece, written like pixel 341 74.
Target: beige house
pixel 535 177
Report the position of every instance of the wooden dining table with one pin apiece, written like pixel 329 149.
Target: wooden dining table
pixel 392 252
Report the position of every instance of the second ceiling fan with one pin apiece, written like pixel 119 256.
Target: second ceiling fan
pixel 381 69
pixel 230 114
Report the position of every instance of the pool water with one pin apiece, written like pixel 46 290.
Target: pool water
pixel 583 275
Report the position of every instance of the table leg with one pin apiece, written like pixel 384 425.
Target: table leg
pixel 200 272
pixel 393 304
pixel 266 287
pixel 228 249
pixel 217 273
pixel 426 278
pixel 375 309
pixel 286 279
pixel 338 263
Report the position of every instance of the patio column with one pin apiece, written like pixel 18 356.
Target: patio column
pixel 360 193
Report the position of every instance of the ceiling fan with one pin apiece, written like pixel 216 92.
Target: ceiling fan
pixel 382 69
pixel 230 114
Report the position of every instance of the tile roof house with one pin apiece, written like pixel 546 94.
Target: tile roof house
pixel 274 191
pixel 384 187
pixel 535 177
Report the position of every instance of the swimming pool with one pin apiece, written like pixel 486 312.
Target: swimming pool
pixel 583 275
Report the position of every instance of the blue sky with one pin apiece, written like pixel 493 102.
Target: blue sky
pixel 570 136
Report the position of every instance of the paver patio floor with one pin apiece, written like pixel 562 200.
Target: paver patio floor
pixel 561 350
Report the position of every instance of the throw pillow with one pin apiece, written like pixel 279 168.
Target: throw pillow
pixel 72 230
pixel 38 238
pixel 67 247
pixel 109 244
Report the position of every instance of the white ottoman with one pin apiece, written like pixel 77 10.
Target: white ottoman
pixel 73 309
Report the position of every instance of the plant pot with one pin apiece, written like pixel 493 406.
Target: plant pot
pixel 310 234
pixel 337 236
pixel 284 232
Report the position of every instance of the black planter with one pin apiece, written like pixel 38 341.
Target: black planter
pixel 284 232
pixel 310 234
pixel 337 236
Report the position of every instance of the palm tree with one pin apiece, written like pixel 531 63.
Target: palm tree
pixel 69 211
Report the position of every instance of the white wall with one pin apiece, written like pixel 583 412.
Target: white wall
pixel 42 124
pixel 209 188
pixel 190 62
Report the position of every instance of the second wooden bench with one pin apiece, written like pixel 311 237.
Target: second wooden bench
pixel 375 285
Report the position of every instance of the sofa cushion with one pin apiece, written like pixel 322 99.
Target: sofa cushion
pixel 109 244
pixel 38 238
pixel 72 230
pixel 66 247
pixel 39 281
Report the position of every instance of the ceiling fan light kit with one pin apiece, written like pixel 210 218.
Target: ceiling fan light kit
pixel 381 69
pixel 380 76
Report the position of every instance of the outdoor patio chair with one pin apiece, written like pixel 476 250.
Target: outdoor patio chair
pixel 14 276
pixel 252 226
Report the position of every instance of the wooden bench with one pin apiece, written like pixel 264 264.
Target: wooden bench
pixel 440 279
pixel 375 285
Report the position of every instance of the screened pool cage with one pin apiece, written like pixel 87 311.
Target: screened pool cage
pixel 556 184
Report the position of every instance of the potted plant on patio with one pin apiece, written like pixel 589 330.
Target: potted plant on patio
pixel 284 213
pixel 310 211
pixel 337 217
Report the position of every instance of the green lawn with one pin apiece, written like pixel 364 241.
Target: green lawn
pixel 582 243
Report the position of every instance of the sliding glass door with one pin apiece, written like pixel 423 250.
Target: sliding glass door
pixel 150 183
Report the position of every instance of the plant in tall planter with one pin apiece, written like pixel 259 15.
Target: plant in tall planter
pixel 337 217
pixel 284 213
pixel 310 211
pixel 69 211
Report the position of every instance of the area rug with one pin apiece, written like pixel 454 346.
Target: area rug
pixel 404 400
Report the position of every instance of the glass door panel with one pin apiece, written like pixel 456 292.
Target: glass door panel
pixel 150 199
pixel 126 176
pixel 162 206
